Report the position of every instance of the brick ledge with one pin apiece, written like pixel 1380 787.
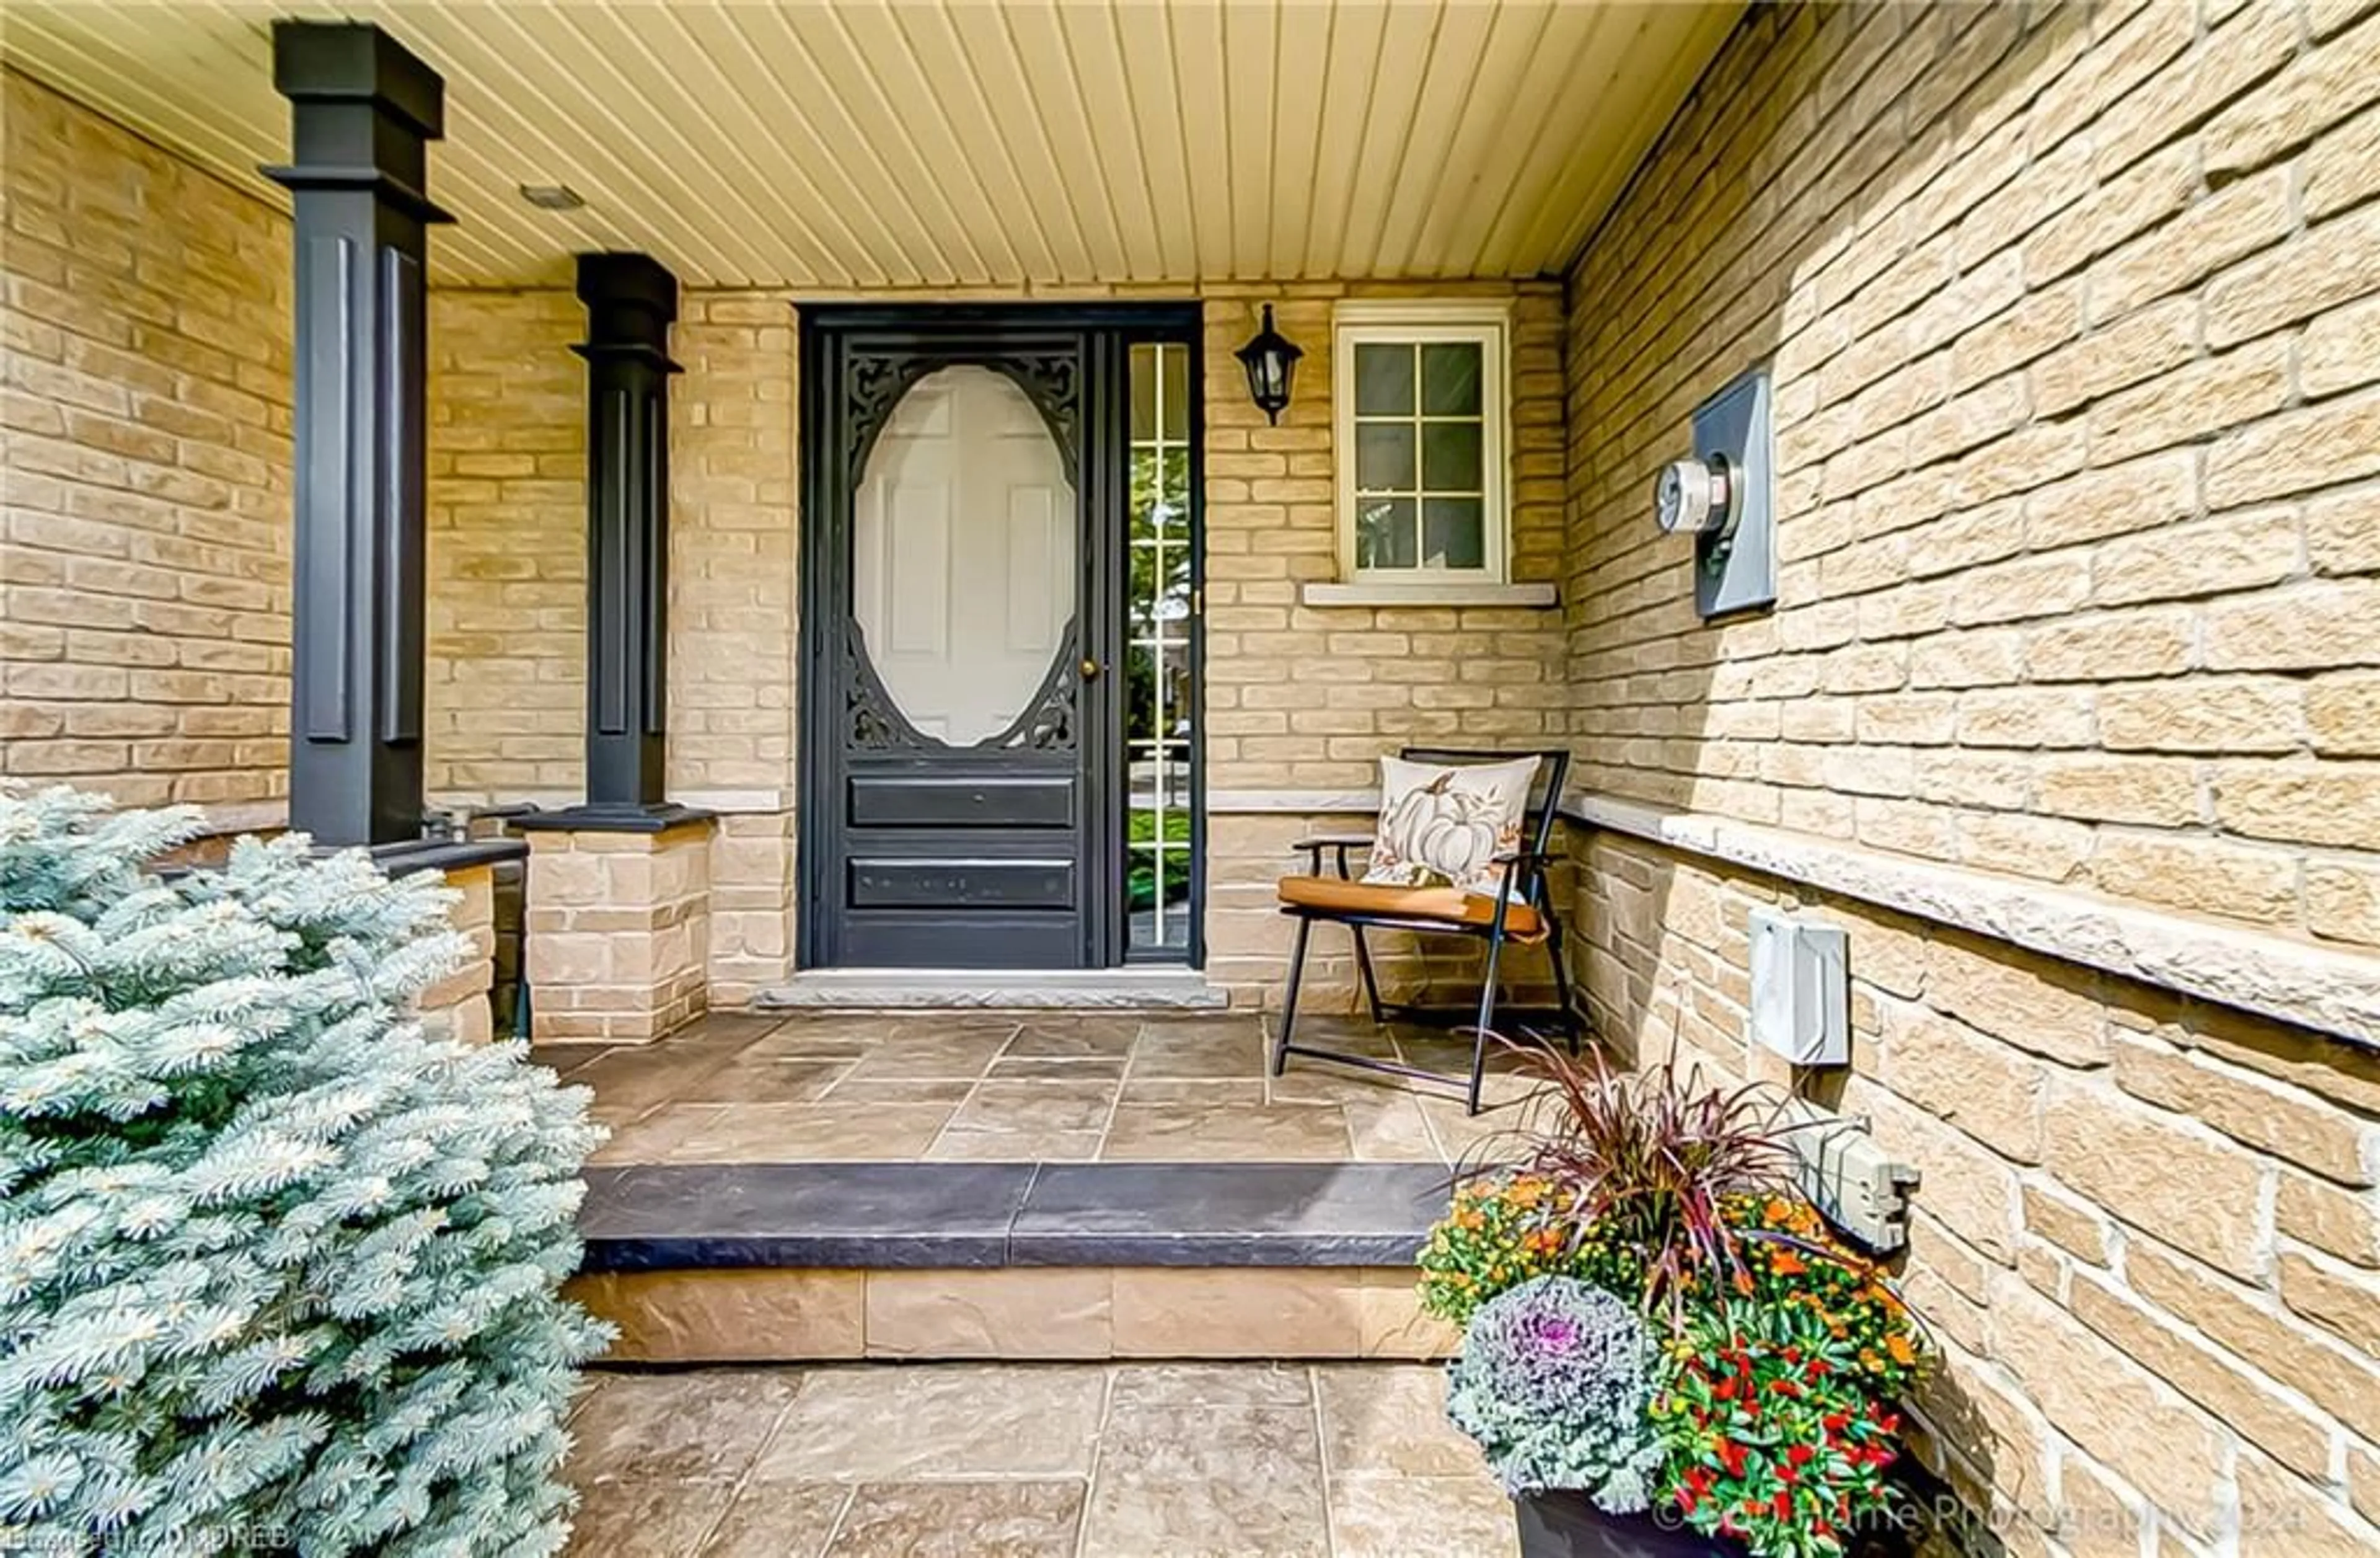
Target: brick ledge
pixel 1450 592
pixel 2335 992
pixel 1295 803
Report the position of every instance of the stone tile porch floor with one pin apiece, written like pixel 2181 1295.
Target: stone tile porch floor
pixel 1027 1087
pixel 1031 1461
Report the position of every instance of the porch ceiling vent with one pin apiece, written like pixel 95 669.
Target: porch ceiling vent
pixel 1270 359
pixel 552 196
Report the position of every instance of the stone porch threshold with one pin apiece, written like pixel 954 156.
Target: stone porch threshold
pixel 966 1215
pixel 1100 989
pixel 789 1262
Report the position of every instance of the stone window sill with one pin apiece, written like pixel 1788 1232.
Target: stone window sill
pixel 1452 592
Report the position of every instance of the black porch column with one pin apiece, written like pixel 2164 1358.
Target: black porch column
pixel 363 111
pixel 631 299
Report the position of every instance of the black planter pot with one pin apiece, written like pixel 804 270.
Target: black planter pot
pixel 1569 1526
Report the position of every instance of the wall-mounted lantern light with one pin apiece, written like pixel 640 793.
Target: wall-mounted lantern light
pixel 1270 359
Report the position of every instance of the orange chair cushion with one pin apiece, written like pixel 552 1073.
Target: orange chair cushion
pixel 1330 894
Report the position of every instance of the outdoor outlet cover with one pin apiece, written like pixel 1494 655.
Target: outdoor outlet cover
pixel 1801 989
pixel 1857 1185
pixel 1735 564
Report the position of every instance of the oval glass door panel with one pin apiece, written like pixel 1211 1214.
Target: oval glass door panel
pixel 963 554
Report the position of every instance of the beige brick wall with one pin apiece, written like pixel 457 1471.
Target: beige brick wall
pixel 2146 1237
pixel 1309 698
pixel 505 685
pixel 144 601
pixel 509 545
pixel 2074 312
pixel 733 633
pixel 2076 583
pixel 752 889
pixel 508 582
pixel 734 636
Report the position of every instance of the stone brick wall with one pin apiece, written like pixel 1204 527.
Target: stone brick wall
pixel 2076 333
pixel 1307 698
pixel 508 546
pixel 2146 1236
pixel 752 888
pixel 2077 585
pixel 505 684
pixel 144 606
pixel 733 633
pixel 508 572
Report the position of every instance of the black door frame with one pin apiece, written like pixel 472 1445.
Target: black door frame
pixel 1106 331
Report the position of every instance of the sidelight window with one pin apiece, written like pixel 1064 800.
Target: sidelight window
pixel 1160 703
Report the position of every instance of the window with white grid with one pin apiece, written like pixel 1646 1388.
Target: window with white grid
pixel 1423 404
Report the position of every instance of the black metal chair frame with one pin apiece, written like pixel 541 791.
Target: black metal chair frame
pixel 1525 881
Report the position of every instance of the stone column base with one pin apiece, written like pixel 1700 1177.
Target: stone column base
pixel 618 927
pixel 457 1006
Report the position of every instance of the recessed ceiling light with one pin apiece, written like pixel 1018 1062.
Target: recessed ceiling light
pixel 552 196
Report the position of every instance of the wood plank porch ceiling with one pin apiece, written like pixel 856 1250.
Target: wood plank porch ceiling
pixel 844 146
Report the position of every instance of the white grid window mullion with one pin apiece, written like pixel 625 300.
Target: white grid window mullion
pixel 1162 543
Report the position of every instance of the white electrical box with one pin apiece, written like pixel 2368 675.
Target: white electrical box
pixel 1801 989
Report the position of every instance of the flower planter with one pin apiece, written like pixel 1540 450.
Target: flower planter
pixel 1569 1526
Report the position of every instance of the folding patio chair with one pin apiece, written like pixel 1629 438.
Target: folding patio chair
pixel 1522 913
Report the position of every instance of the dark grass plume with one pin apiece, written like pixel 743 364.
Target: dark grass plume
pixel 1647 1160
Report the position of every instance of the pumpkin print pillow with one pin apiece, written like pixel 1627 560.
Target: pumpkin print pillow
pixel 1443 827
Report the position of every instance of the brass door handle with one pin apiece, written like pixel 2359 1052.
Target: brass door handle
pixel 1091 669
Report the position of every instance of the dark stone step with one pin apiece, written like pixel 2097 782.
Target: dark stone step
pixel 688 1216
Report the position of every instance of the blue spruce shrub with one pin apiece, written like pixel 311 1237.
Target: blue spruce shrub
pixel 1554 1383
pixel 276 1270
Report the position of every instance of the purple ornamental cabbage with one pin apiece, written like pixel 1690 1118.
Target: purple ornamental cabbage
pixel 1554 1383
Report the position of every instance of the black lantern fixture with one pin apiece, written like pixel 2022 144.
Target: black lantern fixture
pixel 1270 357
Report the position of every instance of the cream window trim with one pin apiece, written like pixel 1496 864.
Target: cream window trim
pixel 1487 324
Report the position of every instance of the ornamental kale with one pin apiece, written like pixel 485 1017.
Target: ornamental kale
pixel 1554 1383
pixel 277 1268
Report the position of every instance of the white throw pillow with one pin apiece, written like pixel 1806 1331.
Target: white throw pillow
pixel 1445 826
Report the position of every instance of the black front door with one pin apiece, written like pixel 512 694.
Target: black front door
pixel 964 542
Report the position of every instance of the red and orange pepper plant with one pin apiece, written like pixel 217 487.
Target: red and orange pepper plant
pixel 1777 1435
